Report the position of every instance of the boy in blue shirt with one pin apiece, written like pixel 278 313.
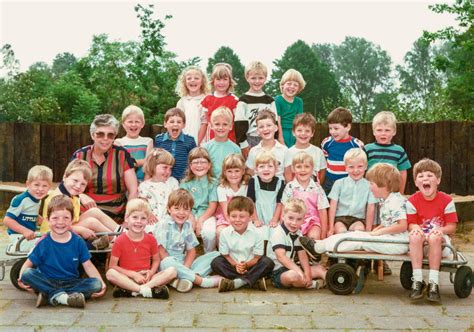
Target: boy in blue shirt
pixel 52 268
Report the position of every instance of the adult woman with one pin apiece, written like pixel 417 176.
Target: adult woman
pixel 112 168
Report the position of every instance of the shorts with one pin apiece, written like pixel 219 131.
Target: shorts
pixel 446 251
pixel 348 220
pixel 276 277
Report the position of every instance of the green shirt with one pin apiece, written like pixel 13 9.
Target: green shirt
pixel 287 111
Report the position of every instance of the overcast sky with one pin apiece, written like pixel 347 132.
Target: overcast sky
pixel 38 30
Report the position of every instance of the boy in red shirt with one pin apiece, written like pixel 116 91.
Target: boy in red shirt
pixel 431 219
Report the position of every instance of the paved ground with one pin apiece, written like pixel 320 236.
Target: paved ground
pixel 380 306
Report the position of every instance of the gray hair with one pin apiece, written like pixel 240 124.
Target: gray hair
pixel 104 120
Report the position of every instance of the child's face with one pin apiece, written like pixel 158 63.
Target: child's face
pixel 290 88
pixel 384 133
pixel 162 172
pixel 221 126
pixel 338 131
pixel 427 183
pixel 60 221
pixel 75 183
pixel 221 85
pixel 179 214
pixel 200 166
pixel 193 82
pixel 303 171
pixel 303 134
pixel 379 192
pixel 256 81
pixel 266 171
pixel 174 125
pixel 137 221
pixel 38 188
pixel 356 168
pixel 266 129
pixel 239 220
pixel 293 220
pixel 132 125
pixel 234 175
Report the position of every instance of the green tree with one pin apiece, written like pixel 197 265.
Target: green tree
pixel 321 93
pixel 226 54
pixel 63 62
pixel 10 64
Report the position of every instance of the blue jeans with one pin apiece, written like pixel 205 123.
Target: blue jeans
pixel 52 288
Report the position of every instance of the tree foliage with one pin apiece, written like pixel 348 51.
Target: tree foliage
pixel 226 54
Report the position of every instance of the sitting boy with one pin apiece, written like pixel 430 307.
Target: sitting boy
pixel 52 268
pixel 432 219
pixel 22 216
pixel 135 258
pixel 241 261
pixel 284 245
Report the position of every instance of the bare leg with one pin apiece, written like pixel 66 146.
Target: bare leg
pixel 434 254
pixel 92 224
pixel 314 233
pixel 122 281
pixel 162 278
pixel 416 250
pixel 339 227
pixel 318 271
pixel 100 216
pixel 357 226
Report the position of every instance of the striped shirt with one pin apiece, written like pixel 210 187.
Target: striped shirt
pixel 392 154
pixel 334 152
pixel 137 148
pixel 179 148
pixel 24 209
pixel 107 185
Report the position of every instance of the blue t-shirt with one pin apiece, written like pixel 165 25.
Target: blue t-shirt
pixel 24 209
pixel 59 260
pixel 218 151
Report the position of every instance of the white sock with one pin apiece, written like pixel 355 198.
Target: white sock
pixel 239 283
pixel 208 283
pixel 62 299
pixel 434 276
pixel 418 275
pixel 145 291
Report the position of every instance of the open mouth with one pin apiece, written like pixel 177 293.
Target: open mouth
pixel 426 186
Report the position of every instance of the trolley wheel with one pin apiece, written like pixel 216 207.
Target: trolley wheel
pixel 15 272
pixel 463 282
pixel 406 272
pixel 341 279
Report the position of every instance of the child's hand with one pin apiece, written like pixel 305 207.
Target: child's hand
pixel 308 281
pixel 29 234
pixel 257 223
pixel 152 220
pixel 416 232
pixel 101 292
pixel 87 233
pixel 330 231
pixel 138 278
pixel 25 287
pixel 376 232
pixel 274 223
pixel 87 202
pixel 241 267
pixel 245 152
pixel 435 232
pixel 198 227
pixel 147 274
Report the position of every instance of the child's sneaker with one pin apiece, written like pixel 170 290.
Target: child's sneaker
pixel 313 248
pixel 386 269
pixel 182 285
pixel 260 285
pixel 417 289
pixel 433 292
pixel 120 292
pixel 160 292
pixel 226 285
pixel 101 243
pixel 318 284
pixel 42 300
pixel 76 300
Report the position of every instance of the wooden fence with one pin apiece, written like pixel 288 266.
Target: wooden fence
pixel 450 143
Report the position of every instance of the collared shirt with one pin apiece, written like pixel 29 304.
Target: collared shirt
pixel 203 192
pixel 316 153
pixel 279 150
pixel 282 238
pixel 176 241
pixel 241 247
pixel 179 148
pixel 392 209
pixel 24 209
pixel 352 197
pixel 313 187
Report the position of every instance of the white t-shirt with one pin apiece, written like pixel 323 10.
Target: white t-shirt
pixel 315 152
pixel 279 150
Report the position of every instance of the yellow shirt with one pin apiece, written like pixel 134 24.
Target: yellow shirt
pixel 75 202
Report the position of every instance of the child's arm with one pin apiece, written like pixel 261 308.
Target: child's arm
pixel 304 261
pixel 288 262
pixel 403 182
pixel 288 174
pixel 83 232
pixel 230 260
pixel 202 133
pixel 26 264
pixel 322 175
pixel 189 258
pixel 16 227
pixel 248 264
pixel 155 264
pixel 399 227
pixel 92 272
pixel 135 276
pixel 448 229
pixel 369 217
pixel 280 131
pixel 275 221
pixel 332 216
pixel 87 202
pixel 210 211
pixel 131 183
pixel 323 218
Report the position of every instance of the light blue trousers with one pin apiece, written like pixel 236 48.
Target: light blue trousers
pixel 201 266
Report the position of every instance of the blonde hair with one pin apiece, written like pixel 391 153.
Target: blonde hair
pixel 180 198
pixel 355 153
pixel 241 203
pixel 197 153
pixel 305 119
pixel 234 160
pixel 256 67
pixel 302 158
pixel 384 118
pixel 292 75
pixel 156 157
pixel 265 157
pixel 181 88
pixel 222 70
pixel 40 173
pixel 265 114
pixel 175 112
pixel 385 176
pixel 59 203
pixel 224 112
pixel 133 110
pixel 427 165
pixel 295 205
pixel 137 205
pixel 79 165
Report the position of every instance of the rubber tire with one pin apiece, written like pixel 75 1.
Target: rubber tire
pixel 406 272
pixel 463 282
pixel 15 272
pixel 341 279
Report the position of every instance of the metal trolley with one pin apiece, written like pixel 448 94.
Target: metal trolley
pixel 348 274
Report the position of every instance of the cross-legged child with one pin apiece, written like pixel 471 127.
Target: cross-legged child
pixel 222 86
pixel 220 146
pixel 432 219
pixel 304 126
pixel 133 121
pixel 160 183
pixel 288 105
pixel 285 246
pixel 265 189
pixel 241 262
pixel 199 181
pixel 233 182
pixel 352 203
pixel 192 88
pixel 179 243
pixel 22 215
pixel 135 258
pixel 52 268
pixel 336 145
pixel 311 193
pixel 175 141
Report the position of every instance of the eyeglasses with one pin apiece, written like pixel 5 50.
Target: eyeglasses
pixel 199 162
pixel 101 134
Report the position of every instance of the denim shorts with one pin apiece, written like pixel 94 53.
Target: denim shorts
pixel 276 277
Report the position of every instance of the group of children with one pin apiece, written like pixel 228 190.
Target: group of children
pixel 243 175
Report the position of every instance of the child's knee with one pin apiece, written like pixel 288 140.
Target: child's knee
pixel 27 273
pixel 171 272
pixel 435 240
pixel 111 275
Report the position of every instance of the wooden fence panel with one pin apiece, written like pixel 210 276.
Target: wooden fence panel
pixel 470 150
pixel 26 149
pixel 459 152
pixel 442 144
pixel 7 153
pixel 48 149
